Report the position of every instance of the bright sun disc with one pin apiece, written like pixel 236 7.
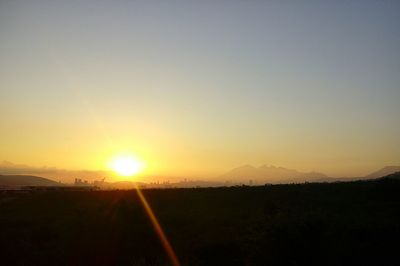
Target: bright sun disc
pixel 126 166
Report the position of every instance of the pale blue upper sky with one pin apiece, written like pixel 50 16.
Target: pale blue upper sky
pixel 312 85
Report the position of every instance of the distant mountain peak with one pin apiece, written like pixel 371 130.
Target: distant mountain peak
pixel 266 166
pixel 269 174
pixel 247 166
pixel 387 170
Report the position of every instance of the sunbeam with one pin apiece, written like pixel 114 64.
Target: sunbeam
pixel 157 227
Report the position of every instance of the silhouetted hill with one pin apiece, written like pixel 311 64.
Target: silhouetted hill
pixel 392 176
pixel 387 170
pixel 25 180
pixel 68 176
pixel 270 174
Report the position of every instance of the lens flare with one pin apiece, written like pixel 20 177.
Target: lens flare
pixel 157 227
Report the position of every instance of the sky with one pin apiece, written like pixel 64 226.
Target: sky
pixel 195 88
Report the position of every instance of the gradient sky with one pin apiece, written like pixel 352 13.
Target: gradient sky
pixel 199 87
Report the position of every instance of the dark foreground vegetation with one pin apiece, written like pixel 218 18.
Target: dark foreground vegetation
pixel 355 223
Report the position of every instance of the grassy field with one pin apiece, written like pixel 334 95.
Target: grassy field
pixel 355 223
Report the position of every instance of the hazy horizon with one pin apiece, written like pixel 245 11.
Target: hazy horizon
pixel 196 89
pixel 69 175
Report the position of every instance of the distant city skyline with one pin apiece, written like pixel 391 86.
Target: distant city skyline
pixel 198 88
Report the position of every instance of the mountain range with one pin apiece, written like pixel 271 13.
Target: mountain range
pixel 387 170
pixel 274 175
pixel 246 174
pixel 269 174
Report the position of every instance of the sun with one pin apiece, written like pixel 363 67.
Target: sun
pixel 126 165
